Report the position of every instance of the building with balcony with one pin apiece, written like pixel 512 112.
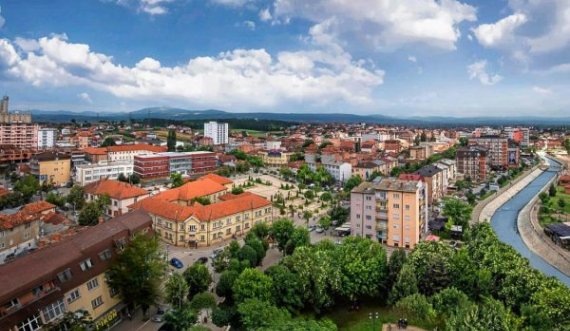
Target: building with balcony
pixel 390 210
pixel 151 167
pixel 497 150
pixel 47 137
pixel 51 167
pixel 472 163
pixel 219 132
pixel 69 276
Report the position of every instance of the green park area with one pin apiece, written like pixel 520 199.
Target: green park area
pixel 555 206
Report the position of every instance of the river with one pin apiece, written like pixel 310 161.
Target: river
pixel 504 222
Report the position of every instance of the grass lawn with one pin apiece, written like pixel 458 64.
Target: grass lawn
pixel 347 320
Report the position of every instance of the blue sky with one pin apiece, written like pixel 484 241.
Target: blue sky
pixel 391 57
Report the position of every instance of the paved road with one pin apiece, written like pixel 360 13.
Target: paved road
pixel 504 222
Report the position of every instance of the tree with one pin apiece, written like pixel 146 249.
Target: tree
pixel 171 140
pixel 567 145
pixel 176 290
pixel 458 212
pixel 287 289
pixel 247 253
pixel 256 314
pixel 72 321
pixel 352 182
pixel 134 179
pixel 226 283
pixel 299 237
pixel 137 272
pixel 253 284
pixel 27 186
pixel 423 137
pixel 406 284
pixel 181 318
pixel 176 179
pixel 552 191
pixel 202 200
pixel 260 230
pixel 326 196
pixel 281 231
pixel 431 262
pixel 89 215
pixel 76 197
pixel 122 178
pixel 418 306
pixel 490 315
pixel 59 201
pixel 307 215
pixel 325 222
pixel 448 301
pixel 198 278
pixel 203 300
pixel 395 264
pixel 237 190
pixel 561 203
pixel 108 141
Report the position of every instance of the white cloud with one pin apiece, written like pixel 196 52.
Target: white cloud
pixel 265 15
pixel 231 3
pixel 478 70
pixel 151 7
pixel 249 24
pixel 412 58
pixel 323 75
pixel 386 24
pixel 542 90
pixel 85 97
pixel 500 33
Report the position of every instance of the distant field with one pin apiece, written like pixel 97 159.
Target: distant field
pixel 255 133
pixel 179 136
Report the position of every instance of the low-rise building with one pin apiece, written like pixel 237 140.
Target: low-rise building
pixel 88 173
pixel 68 277
pixel 275 158
pixel 51 167
pixel 151 167
pixel 121 195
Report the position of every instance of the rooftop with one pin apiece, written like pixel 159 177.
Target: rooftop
pixel 114 189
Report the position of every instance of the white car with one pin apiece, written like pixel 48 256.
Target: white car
pixel 319 229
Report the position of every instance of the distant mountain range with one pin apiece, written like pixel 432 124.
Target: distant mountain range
pixel 212 114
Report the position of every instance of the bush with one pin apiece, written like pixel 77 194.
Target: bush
pixel 418 306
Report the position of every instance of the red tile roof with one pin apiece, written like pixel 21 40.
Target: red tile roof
pixel 95 150
pixel 137 147
pixel 38 207
pixel 191 190
pixel 217 178
pixel 115 189
pixel 28 214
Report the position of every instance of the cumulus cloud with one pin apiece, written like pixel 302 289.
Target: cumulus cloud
pixel 241 77
pixel 542 90
pixel 231 3
pixel 478 70
pixel 265 15
pixel 151 7
pixel 412 58
pixel 500 33
pixel 386 24
pixel 85 97
pixel 249 24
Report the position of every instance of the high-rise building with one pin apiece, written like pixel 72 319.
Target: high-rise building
pixel 17 129
pixel 392 211
pixel 4 104
pixel 472 162
pixel 217 131
pixel 47 138
pixel 497 147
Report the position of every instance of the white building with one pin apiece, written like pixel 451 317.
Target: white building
pixel 88 173
pixel 341 171
pixel 47 138
pixel 217 131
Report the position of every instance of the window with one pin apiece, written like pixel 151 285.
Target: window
pixel 64 276
pixel 105 255
pixel 93 283
pixel 54 311
pixel 73 296
pixel 32 323
pixel 368 198
pixel 396 206
pixel 86 264
pixel 192 228
pixel 113 292
pixel 14 302
pixel 396 195
pixel 96 302
pixel 368 217
pixel 358 216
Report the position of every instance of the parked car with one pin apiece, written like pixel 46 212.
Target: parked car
pixel 216 252
pixel 159 316
pixel 311 228
pixel 202 260
pixel 176 263
pixel 320 229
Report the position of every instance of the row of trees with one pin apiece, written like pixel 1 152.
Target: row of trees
pixel 320 176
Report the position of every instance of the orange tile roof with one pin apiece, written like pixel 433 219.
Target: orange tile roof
pixel 191 190
pixel 137 147
pixel 29 213
pixel 95 150
pixel 217 178
pixel 115 189
pixel 37 207
pixel 212 212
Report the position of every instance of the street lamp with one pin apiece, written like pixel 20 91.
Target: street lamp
pixel 373 319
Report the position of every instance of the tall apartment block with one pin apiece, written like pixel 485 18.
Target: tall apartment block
pixel 17 129
pixel 217 131
pixel 392 211
pixel 497 149
pixel 47 138
pixel 472 162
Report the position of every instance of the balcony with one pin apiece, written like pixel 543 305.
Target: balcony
pixel 382 226
pixel 382 215
pixel 38 300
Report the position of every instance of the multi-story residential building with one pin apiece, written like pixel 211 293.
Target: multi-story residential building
pixel 217 131
pixel 365 169
pixel 421 152
pixel 47 138
pixel 152 167
pixel 275 158
pixel 390 210
pixel 69 276
pixel 51 167
pixel 449 169
pixel 393 146
pixel 88 173
pixel 121 195
pixel 519 135
pixel 202 163
pixel 17 129
pixel 20 229
pixel 497 149
pixel 472 163
pixel 13 154
pixel 433 176
pixel 340 171
pixel 181 220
